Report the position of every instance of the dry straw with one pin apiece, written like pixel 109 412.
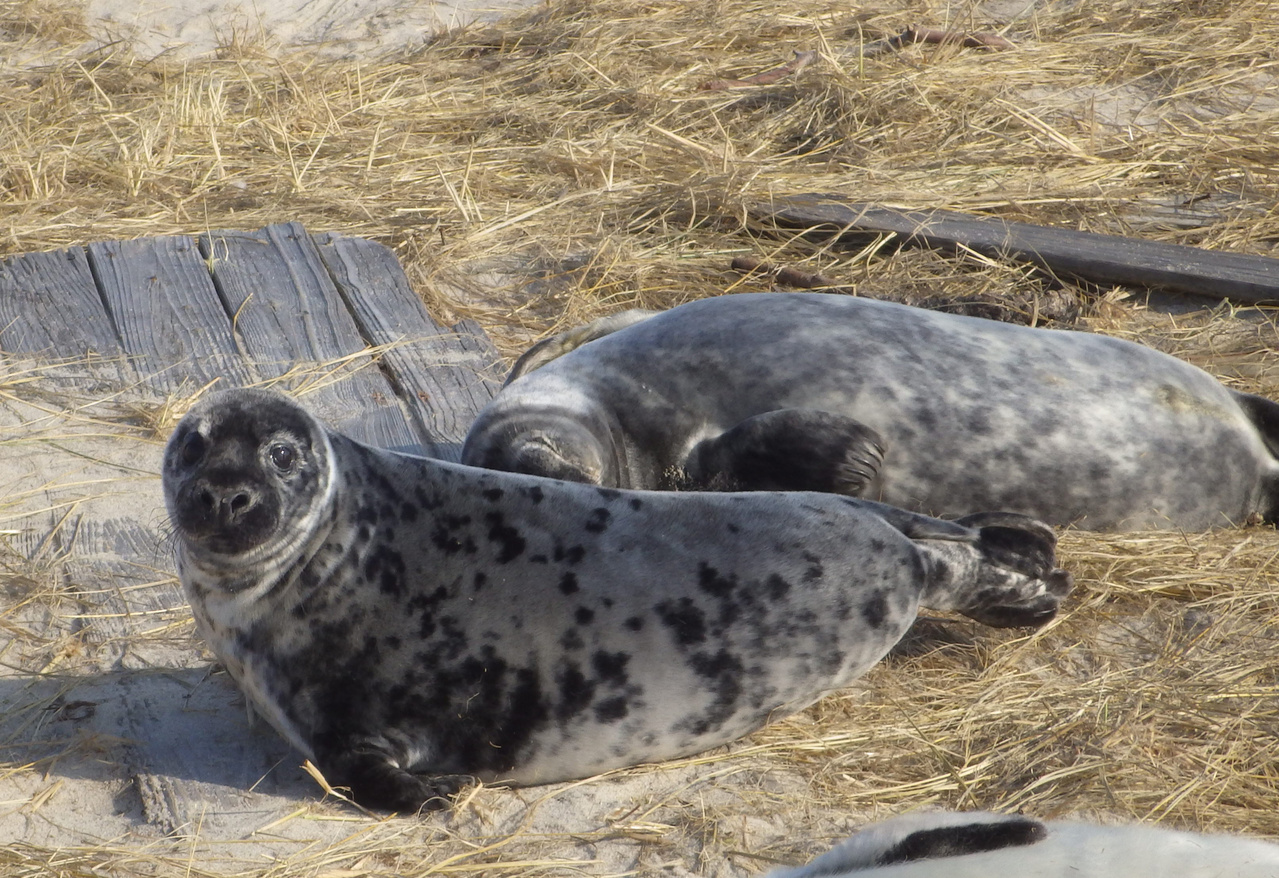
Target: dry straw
pixel 565 163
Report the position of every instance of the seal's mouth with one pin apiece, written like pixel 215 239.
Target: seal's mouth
pixel 225 515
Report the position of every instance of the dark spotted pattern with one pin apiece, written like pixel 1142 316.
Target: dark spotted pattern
pixel 938 413
pixel 409 623
pixel 978 844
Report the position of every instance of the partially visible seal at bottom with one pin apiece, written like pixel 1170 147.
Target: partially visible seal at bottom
pixel 980 844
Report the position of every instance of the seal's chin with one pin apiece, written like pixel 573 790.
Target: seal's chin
pixel 232 562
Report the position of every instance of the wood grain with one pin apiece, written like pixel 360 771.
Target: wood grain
pixel 290 320
pixel 445 376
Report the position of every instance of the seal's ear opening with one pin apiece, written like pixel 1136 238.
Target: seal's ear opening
pixel 965 838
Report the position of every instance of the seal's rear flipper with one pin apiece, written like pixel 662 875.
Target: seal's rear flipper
pixel 788 450
pixel 1264 414
pixel 556 346
pixel 1005 578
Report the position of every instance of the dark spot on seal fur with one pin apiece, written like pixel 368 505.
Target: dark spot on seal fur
pixel 576 693
pixel 408 513
pixel 568 583
pixel 612 709
pixel 875 609
pixel 685 619
pixel 610 666
pixel 499 532
pixel 385 566
pixel 479 581
pixel 493 494
pixel 636 503
pixel 709 580
pixel 443 535
pixel 597 522
pixel 723 672
pixel 777 586
pixel 635 623
pixel 571 555
pixel 584 615
pixel 609 493
pixel 572 639
pixel 535 494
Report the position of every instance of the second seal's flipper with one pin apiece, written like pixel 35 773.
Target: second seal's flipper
pixel 556 346
pixel 788 450
pixel 1006 578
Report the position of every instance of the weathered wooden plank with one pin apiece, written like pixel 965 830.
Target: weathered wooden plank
pixel 172 324
pixel 444 375
pixel 288 314
pixel 49 305
pixel 1104 259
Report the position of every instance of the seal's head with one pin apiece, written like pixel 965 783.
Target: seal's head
pixel 551 441
pixel 246 474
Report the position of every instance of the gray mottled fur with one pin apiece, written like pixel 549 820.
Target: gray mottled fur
pixel 1069 427
pixel 405 621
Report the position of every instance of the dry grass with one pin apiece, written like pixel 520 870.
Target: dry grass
pixel 564 163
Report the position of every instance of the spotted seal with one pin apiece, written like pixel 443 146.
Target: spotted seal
pixel 933 412
pixel 408 623
pixel 983 845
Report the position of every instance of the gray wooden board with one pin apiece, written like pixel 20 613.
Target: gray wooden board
pixel 287 312
pixel 445 376
pixel 1103 259
pixel 172 324
pixel 49 304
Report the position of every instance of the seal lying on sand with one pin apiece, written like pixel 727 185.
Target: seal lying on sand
pixel 404 621
pixel 983 845
pixel 933 412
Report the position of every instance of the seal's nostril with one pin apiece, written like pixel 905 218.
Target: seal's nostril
pixel 206 498
pixel 240 503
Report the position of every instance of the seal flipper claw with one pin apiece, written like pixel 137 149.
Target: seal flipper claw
pixel 377 781
pixel 1006 578
pixel 789 450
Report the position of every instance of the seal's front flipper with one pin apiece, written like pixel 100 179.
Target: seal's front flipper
pixel 377 781
pixel 788 450
pixel 1006 578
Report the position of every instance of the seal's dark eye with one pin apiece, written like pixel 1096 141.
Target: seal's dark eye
pixel 283 457
pixel 192 449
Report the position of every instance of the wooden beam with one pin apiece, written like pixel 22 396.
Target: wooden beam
pixel 1101 259
pixel 287 313
pixel 49 305
pixel 160 296
pixel 446 375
